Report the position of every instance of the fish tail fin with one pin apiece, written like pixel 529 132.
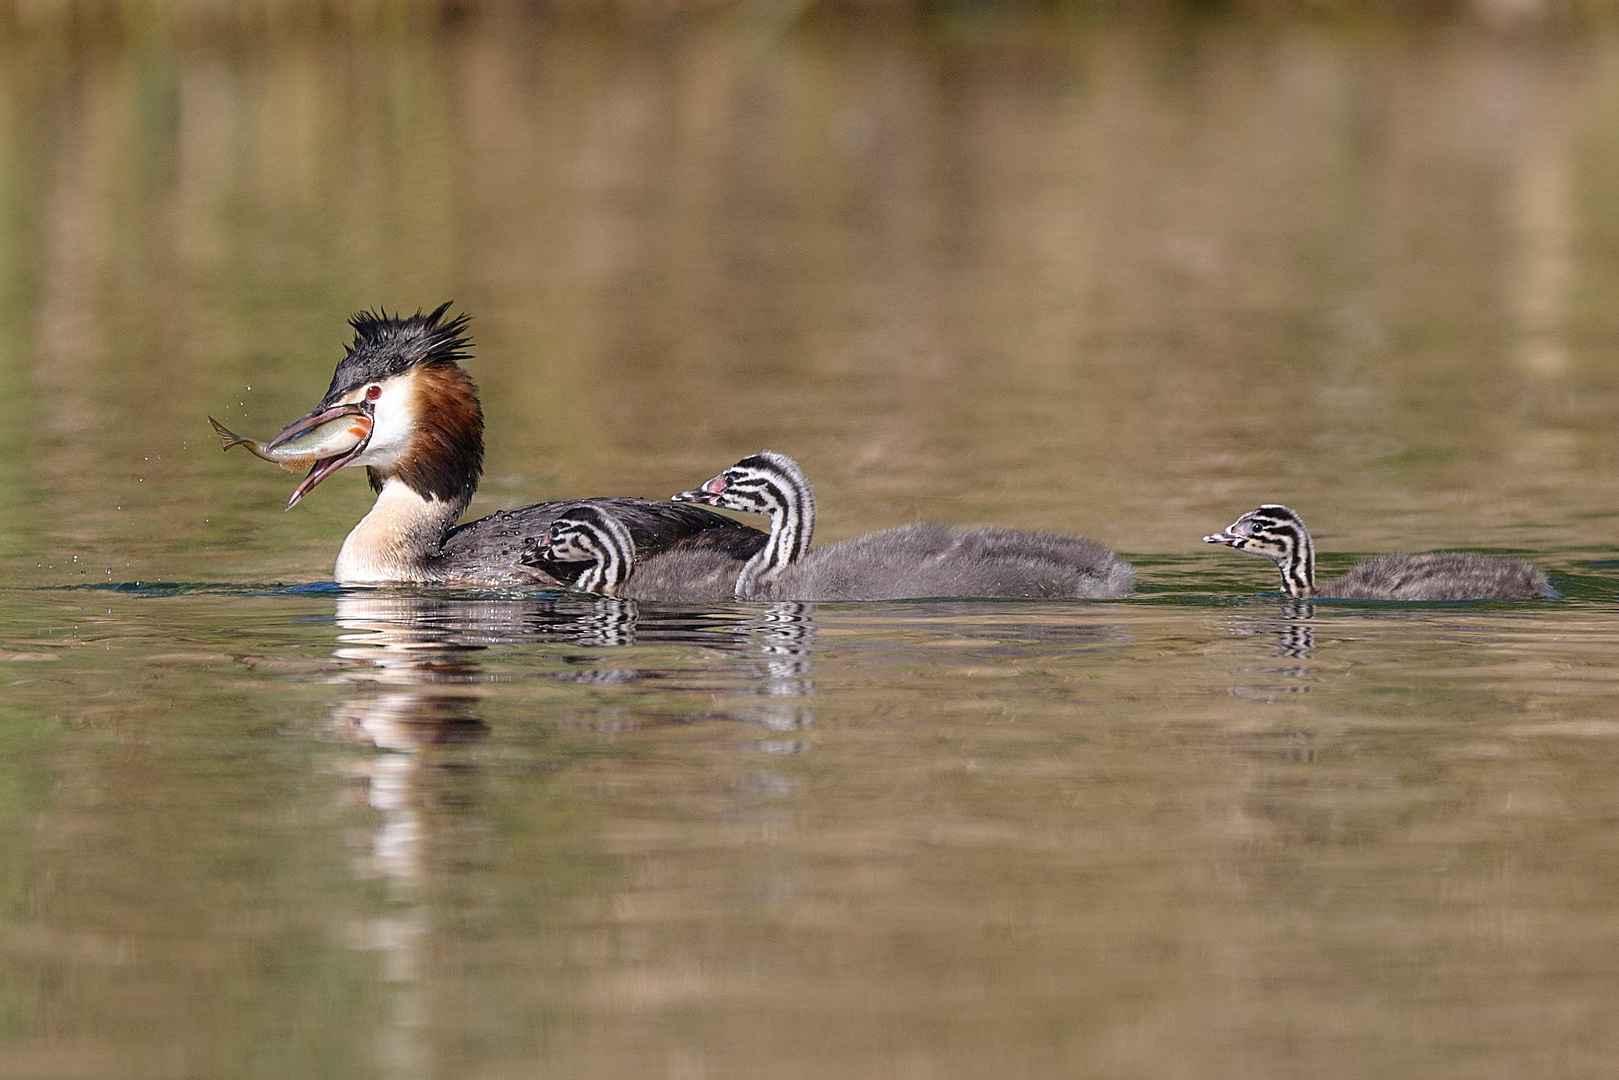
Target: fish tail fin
pixel 227 437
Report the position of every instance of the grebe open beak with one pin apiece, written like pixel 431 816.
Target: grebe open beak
pixel 323 467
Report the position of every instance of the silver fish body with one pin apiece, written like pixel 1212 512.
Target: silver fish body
pixel 334 438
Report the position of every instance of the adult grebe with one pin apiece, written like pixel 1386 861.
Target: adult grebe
pixel 1279 534
pixel 423 450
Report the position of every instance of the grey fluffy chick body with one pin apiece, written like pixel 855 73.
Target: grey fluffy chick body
pixel 680 576
pixel 910 562
pixel 1278 534
pixel 933 560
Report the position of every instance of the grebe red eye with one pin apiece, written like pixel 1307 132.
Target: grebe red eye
pixel 373 392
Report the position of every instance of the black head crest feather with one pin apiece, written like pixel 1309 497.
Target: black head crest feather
pixel 388 345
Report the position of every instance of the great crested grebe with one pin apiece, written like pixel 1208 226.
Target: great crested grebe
pixel 910 562
pixel 592 536
pixel 420 437
pixel 1279 534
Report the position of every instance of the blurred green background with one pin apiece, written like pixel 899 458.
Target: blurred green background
pixel 1123 275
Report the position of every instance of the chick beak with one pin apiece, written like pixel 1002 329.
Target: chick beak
pixel 1235 534
pixel 323 467
pixel 709 493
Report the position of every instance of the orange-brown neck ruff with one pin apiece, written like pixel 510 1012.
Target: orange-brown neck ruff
pixel 444 458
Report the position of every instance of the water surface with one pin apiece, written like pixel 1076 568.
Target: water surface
pixel 1120 280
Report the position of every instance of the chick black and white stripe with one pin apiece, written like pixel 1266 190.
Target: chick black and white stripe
pixel 593 540
pixel 1278 534
pixel 771 484
pixel 588 534
pixel 911 562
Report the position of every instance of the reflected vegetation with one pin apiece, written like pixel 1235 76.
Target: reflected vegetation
pixel 1208 263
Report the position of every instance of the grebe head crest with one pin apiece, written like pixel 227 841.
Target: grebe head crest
pixel 402 374
pixel 386 346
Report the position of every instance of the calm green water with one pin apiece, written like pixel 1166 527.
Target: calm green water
pixel 1126 281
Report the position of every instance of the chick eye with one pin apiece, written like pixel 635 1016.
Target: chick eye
pixel 373 392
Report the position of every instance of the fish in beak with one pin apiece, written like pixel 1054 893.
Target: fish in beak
pixel 340 434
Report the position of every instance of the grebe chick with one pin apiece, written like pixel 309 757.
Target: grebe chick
pixel 1279 534
pixel 910 562
pixel 592 536
pixel 424 455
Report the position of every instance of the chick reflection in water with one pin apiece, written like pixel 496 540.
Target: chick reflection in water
pixel 777 644
pixel 1290 627
pixel 1293 632
pixel 770 649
